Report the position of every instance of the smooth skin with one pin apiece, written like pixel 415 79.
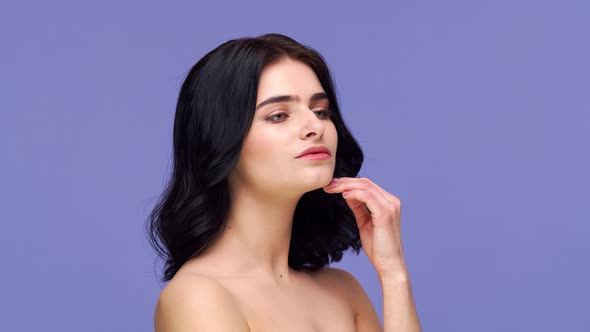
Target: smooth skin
pixel 378 216
pixel 199 303
pixel 207 293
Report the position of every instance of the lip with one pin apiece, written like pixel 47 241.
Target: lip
pixel 314 149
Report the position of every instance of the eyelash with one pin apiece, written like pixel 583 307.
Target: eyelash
pixel 328 112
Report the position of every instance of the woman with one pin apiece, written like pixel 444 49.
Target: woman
pixel 248 223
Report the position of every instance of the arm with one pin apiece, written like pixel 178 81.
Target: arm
pixel 365 316
pixel 399 310
pixel 197 304
pixel 399 313
pixel 378 217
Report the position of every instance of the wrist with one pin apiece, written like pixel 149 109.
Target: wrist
pixel 394 276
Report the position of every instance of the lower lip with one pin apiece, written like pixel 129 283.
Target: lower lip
pixel 315 156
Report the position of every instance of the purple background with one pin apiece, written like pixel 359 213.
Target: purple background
pixel 475 114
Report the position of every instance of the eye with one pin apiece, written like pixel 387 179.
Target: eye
pixel 328 113
pixel 274 118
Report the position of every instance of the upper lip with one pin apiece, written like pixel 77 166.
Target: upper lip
pixel 314 149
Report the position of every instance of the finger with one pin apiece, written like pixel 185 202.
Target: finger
pixel 373 202
pixel 392 199
pixel 348 184
pixel 345 183
pixel 360 211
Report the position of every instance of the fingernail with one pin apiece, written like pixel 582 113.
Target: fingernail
pixel 331 184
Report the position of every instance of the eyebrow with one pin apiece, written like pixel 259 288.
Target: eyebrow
pixel 291 98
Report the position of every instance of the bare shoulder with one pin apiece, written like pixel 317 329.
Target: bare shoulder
pixel 192 302
pixel 342 280
pixel 347 284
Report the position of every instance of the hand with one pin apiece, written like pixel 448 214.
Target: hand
pixel 378 217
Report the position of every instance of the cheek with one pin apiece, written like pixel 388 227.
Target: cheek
pixel 263 149
pixel 264 159
pixel 333 133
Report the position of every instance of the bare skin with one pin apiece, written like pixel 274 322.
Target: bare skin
pixel 319 301
pixel 243 282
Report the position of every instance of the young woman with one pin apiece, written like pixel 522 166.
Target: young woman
pixel 264 195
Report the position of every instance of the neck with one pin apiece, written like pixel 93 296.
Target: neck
pixel 256 239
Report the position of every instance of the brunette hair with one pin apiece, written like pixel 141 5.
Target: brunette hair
pixel 214 111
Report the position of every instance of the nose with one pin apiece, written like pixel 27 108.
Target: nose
pixel 312 126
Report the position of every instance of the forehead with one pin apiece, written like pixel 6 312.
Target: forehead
pixel 287 77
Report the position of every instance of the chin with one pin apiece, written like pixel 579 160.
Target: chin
pixel 315 182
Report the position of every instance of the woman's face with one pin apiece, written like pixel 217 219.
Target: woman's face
pixel 281 130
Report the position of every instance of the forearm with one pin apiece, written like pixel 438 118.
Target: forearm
pixel 399 310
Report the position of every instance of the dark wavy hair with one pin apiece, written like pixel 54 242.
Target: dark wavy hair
pixel 214 111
